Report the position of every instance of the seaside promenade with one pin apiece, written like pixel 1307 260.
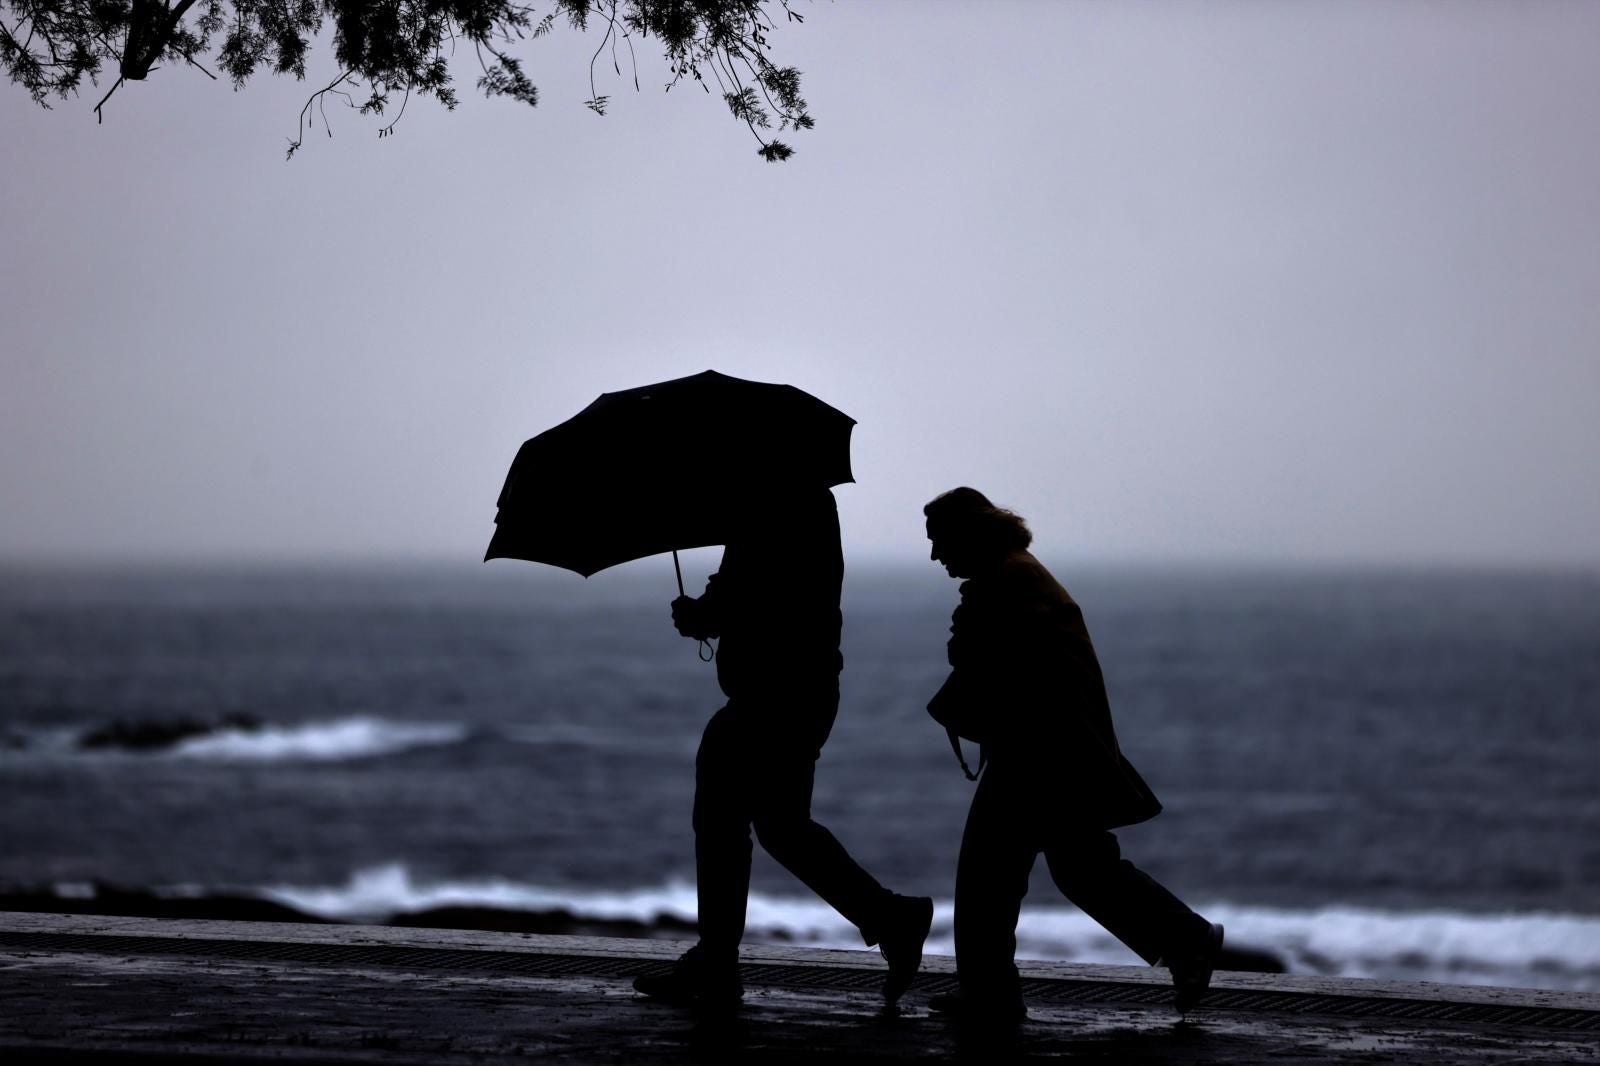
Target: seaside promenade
pixel 138 990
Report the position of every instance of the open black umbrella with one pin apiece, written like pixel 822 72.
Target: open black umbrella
pixel 661 468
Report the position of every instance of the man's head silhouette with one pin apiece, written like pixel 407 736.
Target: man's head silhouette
pixel 778 512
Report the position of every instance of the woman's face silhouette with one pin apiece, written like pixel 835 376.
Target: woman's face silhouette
pixel 951 550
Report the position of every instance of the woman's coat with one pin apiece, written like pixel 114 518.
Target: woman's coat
pixel 1026 684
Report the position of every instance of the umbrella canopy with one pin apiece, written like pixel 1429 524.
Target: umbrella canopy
pixel 662 468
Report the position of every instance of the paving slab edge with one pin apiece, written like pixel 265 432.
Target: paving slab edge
pixel 759 954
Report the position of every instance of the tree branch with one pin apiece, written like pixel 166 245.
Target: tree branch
pixel 196 65
pixel 52 47
pixel 596 102
pixel 98 117
pixel 315 98
pixel 384 131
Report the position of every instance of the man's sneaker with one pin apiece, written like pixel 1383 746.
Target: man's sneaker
pixel 694 981
pixel 1000 1011
pixel 1191 971
pixel 901 943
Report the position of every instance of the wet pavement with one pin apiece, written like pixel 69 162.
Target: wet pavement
pixel 130 990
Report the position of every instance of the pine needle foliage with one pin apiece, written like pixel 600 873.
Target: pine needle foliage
pixel 388 49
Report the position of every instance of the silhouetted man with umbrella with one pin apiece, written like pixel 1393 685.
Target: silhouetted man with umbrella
pixel 610 485
pixel 774 604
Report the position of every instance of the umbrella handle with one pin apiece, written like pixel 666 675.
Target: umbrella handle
pixel 706 650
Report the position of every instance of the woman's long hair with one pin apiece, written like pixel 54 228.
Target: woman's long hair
pixel 968 513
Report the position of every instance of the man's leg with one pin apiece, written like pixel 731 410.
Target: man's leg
pixel 783 824
pixel 722 834
pixel 707 976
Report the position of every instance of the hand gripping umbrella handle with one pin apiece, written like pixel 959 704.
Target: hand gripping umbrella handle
pixel 706 650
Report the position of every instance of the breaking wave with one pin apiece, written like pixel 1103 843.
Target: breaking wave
pixel 325 741
pixel 1557 951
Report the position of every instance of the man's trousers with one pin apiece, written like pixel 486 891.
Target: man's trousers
pixel 755 770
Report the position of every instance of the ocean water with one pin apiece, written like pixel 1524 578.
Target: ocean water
pixel 1366 773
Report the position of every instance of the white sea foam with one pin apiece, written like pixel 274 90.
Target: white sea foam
pixel 384 891
pixel 1560 951
pixel 1536 949
pixel 322 741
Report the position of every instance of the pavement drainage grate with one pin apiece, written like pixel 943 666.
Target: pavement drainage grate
pixel 533 964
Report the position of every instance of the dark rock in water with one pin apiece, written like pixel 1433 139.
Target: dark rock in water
pixel 1316 962
pixel 137 903
pixel 156 734
pixel 557 922
pixel 562 922
pixel 1250 960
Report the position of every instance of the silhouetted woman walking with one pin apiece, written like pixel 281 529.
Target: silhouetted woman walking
pixel 1025 684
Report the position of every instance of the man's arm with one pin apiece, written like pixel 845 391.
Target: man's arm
pixel 700 619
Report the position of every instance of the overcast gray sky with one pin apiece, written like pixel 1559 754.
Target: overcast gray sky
pixel 1236 281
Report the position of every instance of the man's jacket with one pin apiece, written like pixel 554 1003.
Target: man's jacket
pixel 774 602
